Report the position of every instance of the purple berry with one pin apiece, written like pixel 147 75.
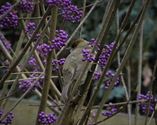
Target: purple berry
pixel 87 55
pixel 149 98
pixel 71 13
pixel 24 85
pixel 46 119
pixel 10 20
pixel 8 120
pixel 30 28
pixel 57 63
pixel 26 6
pixel 59 41
pixel 106 54
pixel 110 110
pixel 44 49
pixel 107 79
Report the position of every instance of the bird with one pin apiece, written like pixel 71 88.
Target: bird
pixel 71 96
pixel 73 67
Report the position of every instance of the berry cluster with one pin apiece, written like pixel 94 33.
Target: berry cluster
pixel 46 119
pixel 72 13
pixel 26 6
pixel 30 27
pixel 44 49
pixel 106 54
pixel 109 75
pixel 87 55
pixel 59 41
pixel 57 63
pixel 8 120
pixel 107 80
pixel 96 76
pixel 103 58
pixel 149 102
pixel 59 3
pixel 32 62
pixel 24 85
pixel 93 43
pixel 9 21
pixel 69 11
pixel 110 110
pixel 5 42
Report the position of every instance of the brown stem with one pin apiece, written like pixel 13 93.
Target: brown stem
pixel 48 69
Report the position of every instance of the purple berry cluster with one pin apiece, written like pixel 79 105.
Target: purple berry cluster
pixel 46 119
pixel 59 41
pixel 93 43
pixel 26 6
pixel 69 11
pixel 8 120
pixel 9 21
pixel 149 102
pixel 30 28
pixel 72 13
pixel 44 49
pixel 109 75
pixel 106 54
pixel 57 63
pixel 107 80
pixel 96 76
pixel 59 3
pixel 5 42
pixel 87 55
pixel 1 113
pixel 24 85
pixel 32 62
pixel 110 110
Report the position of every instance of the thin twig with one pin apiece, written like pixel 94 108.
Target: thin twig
pixel 149 122
pixel 121 76
pixel 139 69
pixel 33 78
pixel 129 89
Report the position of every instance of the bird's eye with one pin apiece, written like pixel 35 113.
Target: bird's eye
pixel 75 43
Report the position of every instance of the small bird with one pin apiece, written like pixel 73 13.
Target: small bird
pixel 73 67
pixel 71 92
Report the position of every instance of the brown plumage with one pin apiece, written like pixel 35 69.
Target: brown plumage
pixel 72 67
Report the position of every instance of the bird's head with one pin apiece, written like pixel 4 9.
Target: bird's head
pixel 79 43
